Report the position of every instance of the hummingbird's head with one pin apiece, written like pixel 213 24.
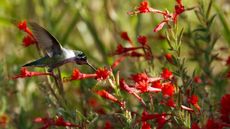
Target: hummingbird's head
pixel 80 58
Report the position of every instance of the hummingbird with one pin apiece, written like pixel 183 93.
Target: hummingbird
pixel 55 55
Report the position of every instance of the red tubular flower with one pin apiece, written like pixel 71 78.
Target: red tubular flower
pixel 170 102
pixel 107 95
pixel 139 77
pixel 195 126
pixel 28 40
pixel 25 73
pixel 194 101
pixel 142 86
pixel 108 125
pixel 157 84
pixel 23 26
pixel 161 121
pixel 197 79
pixel 143 8
pixel 48 122
pixel 142 40
pixel 145 125
pixel 212 124
pixel 168 56
pixel 130 90
pixel 225 108
pixel 166 74
pixel 168 89
pixel 125 36
pixel 179 8
pixel 102 73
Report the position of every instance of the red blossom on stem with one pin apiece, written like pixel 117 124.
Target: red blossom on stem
pixel 168 56
pixel 225 108
pixel 102 73
pixel 212 124
pixel 194 101
pixel 166 74
pixel 125 36
pixel 23 26
pixel 142 40
pixel 124 86
pixel 195 126
pixel 28 40
pixel 25 73
pixel 179 8
pixel 145 125
pixel 168 89
pixel 197 79
pixel 107 95
pixel 139 77
pixel 48 122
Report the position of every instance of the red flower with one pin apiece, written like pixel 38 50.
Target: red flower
pixel 157 84
pixel 102 73
pixel 125 36
pixel 130 90
pixel 23 26
pixel 139 77
pixel 142 40
pixel 161 121
pixel 197 79
pixel 168 56
pixel 107 95
pixel 108 125
pixel 166 74
pixel 195 126
pixel 168 89
pixel 170 102
pixel 194 101
pixel 28 40
pixel 142 86
pixel 59 121
pixel 145 125
pixel 212 124
pixel 25 73
pixel 179 8
pixel 225 108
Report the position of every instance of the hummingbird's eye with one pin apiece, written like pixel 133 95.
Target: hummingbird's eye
pixel 82 56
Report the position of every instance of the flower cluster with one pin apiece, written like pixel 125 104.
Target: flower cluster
pixel 133 50
pixel 145 8
pixel 29 38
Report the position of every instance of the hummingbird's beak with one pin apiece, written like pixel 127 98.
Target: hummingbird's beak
pixel 91 66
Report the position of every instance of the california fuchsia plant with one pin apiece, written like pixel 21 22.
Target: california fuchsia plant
pixel 147 65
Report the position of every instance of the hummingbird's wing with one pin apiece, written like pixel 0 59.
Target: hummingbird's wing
pixel 45 40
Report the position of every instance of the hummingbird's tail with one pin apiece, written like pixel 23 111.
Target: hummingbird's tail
pixel 37 63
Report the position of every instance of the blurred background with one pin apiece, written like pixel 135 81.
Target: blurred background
pixel 92 26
